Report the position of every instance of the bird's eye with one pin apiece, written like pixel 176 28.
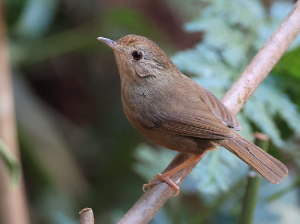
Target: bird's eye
pixel 137 55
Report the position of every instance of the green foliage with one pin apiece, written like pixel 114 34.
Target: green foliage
pixel 287 69
pixel 152 160
pixel 289 64
pixel 12 164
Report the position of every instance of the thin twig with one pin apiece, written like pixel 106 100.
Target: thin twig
pixel 86 216
pixel 13 207
pixel 151 202
pixel 253 182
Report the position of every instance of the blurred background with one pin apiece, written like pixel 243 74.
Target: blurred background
pixel 77 147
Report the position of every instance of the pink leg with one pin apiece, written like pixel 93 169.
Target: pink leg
pixel 165 177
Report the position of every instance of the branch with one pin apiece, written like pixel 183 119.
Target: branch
pixel 264 61
pixel 150 203
pixel 13 207
pixel 86 216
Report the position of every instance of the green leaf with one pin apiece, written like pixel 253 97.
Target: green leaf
pixel 289 64
pixel 12 164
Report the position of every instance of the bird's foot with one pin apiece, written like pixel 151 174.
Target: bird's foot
pixel 162 178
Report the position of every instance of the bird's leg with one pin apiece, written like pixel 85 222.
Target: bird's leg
pixel 165 177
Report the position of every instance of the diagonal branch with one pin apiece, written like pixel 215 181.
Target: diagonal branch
pixel 151 202
pixel 13 206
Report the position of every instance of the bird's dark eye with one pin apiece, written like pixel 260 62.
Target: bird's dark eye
pixel 137 55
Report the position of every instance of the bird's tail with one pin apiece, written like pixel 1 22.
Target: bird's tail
pixel 269 167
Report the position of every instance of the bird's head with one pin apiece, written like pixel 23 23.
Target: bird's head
pixel 139 56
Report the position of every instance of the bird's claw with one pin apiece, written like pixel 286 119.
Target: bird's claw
pixel 162 178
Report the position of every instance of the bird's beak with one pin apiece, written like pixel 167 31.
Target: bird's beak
pixel 112 44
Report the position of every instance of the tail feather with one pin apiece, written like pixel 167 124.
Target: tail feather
pixel 269 167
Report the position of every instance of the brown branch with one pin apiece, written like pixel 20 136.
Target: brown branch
pixel 150 203
pixel 86 216
pixel 13 208
pixel 264 61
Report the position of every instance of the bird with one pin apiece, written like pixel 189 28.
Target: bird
pixel 177 113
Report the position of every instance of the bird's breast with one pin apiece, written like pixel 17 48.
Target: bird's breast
pixel 136 104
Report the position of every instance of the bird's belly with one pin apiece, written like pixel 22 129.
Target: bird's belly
pixel 177 142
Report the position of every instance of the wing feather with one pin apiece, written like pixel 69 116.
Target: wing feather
pixel 192 123
pixel 220 110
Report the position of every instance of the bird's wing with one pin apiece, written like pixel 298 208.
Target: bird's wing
pixel 191 122
pixel 193 125
pixel 196 113
pixel 219 110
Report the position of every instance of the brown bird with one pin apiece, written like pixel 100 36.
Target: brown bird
pixel 177 113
